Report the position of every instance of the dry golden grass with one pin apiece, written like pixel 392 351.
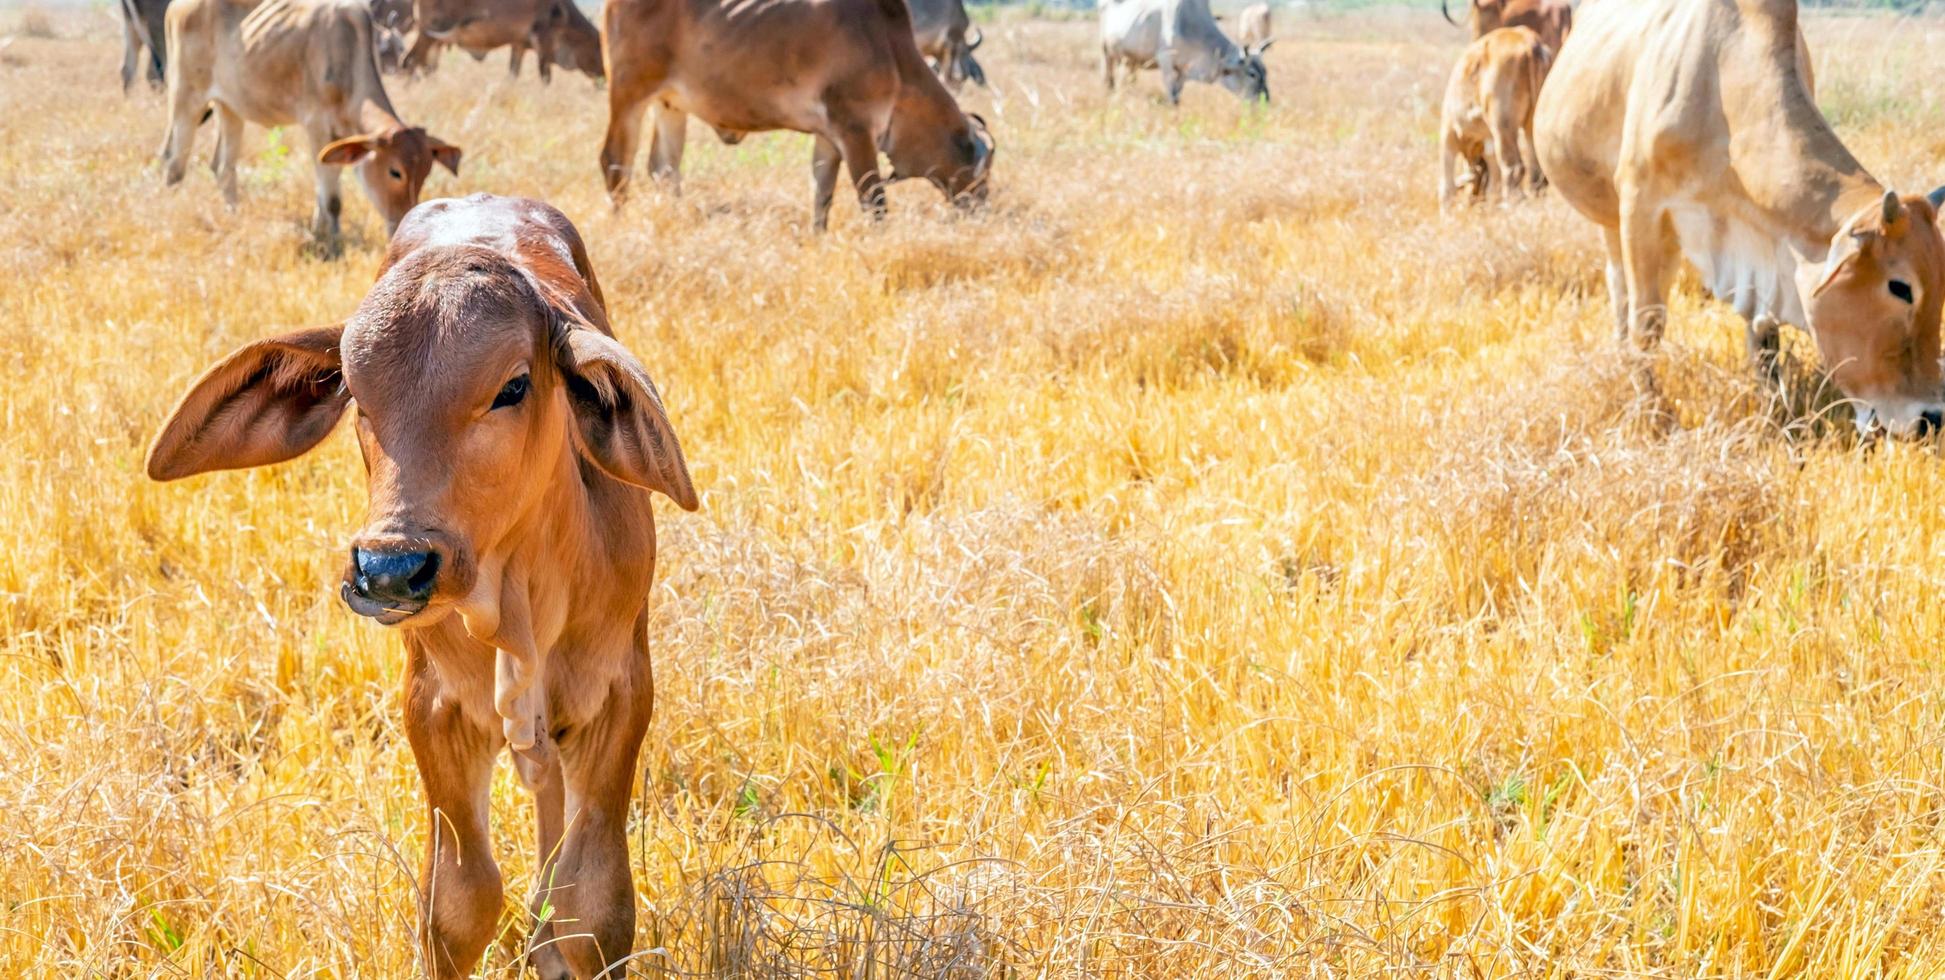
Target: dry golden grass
pixel 1206 562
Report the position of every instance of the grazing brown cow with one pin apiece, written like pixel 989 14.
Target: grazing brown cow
pixel 1487 123
pixel 1688 127
pixel 1553 20
pixel 303 62
pixel 510 445
pixel 846 71
pixel 557 30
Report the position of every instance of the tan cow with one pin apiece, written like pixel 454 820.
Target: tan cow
pixel 1688 127
pixel 308 63
pixel 1487 124
pixel 1253 26
pixel 1553 20
pixel 557 31
pixel 510 446
pixel 845 71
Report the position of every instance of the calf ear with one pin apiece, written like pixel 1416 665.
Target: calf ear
pixel 623 426
pixel 444 153
pixel 345 152
pixel 268 402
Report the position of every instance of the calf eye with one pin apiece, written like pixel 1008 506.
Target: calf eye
pixel 396 175
pixel 513 393
pixel 1901 289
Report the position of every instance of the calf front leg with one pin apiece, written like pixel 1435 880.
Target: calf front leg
pixel 595 927
pixel 459 885
pixel 824 160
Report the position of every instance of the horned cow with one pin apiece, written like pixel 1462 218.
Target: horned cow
pixel 848 72
pixel 1688 128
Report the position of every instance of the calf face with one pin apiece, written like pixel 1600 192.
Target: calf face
pixel 476 390
pixel 1873 306
pixel 393 166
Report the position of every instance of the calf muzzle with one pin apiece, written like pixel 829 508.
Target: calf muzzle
pixel 390 585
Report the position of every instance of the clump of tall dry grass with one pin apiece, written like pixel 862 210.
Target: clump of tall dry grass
pixel 1207 561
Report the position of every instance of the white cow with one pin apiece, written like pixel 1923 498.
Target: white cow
pixel 1181 38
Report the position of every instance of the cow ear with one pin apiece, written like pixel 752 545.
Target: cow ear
pixel 347 151
pixel 444 153
pixel 619 414
pixel 1264 46
pixel 270 401
pixel 1848 246
pixel 1937 197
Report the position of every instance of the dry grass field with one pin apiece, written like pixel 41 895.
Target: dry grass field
pixel 1207 561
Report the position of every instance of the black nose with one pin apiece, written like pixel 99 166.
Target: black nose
pixel 395 576
pixel 1930 420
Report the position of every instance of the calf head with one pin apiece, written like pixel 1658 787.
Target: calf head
pixel 1873 306
pixel 952 150
pixel 1242 72
pixel 393 165
pixel 478 392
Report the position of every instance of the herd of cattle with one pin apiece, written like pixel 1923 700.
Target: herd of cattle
pixel 511 443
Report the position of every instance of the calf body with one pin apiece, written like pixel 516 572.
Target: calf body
pixel 1486 127
pixel 308 63
pixel 510 445
pixel 848 72
pixel 1181 38
pixel 1688 127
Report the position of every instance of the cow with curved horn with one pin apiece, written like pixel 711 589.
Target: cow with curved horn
pixel 947 38
pixel 1689 128
pixel 848 72
pixel 1553 20
pixel 1181 38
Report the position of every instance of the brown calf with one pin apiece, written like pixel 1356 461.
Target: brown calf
pixel 305 62
pixel 1486 127
pixel 846 71
pixel 510 445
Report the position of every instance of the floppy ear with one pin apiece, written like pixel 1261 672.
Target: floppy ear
pixel 1843 252
pixel 345 152
pixel 268 402
pixel 623 426
pixel 444 153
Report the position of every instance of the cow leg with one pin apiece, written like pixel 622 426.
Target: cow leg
pixel 1172 78
pixel 516 53
pixel 626 104
pixel 824 159
pixel 131 48
pixel 229 141
pixel 330 203
pixel 1107 66
pixel 595 897
pixel 544 55
pixel 540 769
pixel 459 885
pixel 1506 156
pixel 419 57
pixel 1617 282
pixel 665 149
pixel 1642 239
pixel 181 137
pixel 861 160
pixel 1536 178
pixel 1448 156
pixel 1765 342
